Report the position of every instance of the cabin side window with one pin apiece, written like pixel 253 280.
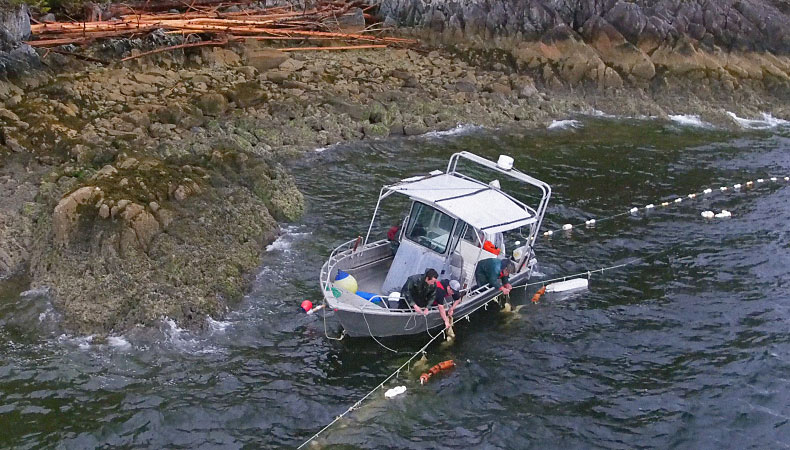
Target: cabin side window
pixel 472 236
pixel 429 227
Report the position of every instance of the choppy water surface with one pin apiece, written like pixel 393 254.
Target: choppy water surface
pixel 688 348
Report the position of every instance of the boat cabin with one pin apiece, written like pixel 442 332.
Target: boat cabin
pixel 453 222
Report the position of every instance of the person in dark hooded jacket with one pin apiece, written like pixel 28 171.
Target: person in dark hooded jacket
pixel 495 272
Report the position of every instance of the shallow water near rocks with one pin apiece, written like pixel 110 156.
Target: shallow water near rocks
pixel 687 348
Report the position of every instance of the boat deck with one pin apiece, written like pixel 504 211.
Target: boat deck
pixel 372 280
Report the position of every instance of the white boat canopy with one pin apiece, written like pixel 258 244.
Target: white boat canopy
pixel 482 206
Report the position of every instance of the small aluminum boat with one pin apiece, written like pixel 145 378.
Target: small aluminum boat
pixel 451 217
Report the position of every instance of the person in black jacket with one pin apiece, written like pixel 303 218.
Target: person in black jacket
pixel 418 291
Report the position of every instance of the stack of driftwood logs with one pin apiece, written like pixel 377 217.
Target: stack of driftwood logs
pixel 219 23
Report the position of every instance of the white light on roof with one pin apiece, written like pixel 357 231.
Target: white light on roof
pixel 504 162
pixel 433 173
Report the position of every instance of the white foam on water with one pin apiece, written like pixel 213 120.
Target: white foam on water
pixel 767 122
pixel 325 148
pixel 538 274
pixel 455 131
pixel 564 124
pixel 177 336
pixel 173 330
pixel 83 342
pixel 35 292
pixel 599 113
pixel 689 120
pixel 279 244
pixel 286 239
pixel 118 342
pixel 47 315
pixel 217 325
pixel 265 272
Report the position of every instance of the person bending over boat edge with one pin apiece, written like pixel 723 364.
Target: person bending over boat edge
pixel 495 272
pixel 418 291
pixel 447 291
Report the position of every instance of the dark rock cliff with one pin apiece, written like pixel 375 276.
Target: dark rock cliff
pixel 15 56
pixel 754 25
pixel 707 46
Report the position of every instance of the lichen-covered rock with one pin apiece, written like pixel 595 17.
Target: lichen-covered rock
pixel 248 93
pixel 375 130
pixel 18 211
pixel 126 254
pixel 642 41
pixel 212 103
pixel 733 24
pixel 263 59
pixel 66 214
pixel 218 56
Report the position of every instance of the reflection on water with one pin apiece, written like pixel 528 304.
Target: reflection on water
pixel 688 348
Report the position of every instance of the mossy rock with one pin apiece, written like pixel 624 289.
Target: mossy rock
pixel 181 115
pixel 287 204
pixel 376 130
pixel 212 104
pixel 379 113
pixel 248 94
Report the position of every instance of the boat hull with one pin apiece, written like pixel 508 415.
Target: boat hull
pixel 371 320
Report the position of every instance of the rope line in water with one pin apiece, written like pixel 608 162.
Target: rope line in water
pixel 326 333
pixel 396 372
pixel 588 273
pixel 706 193
pixel 380 385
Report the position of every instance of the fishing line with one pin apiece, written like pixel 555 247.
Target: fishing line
pixel 587 273
pixel 380 385
pixel 394 374
pixel 675 200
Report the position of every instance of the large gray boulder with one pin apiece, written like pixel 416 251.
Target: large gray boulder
pixel 16 57
pixel 14 25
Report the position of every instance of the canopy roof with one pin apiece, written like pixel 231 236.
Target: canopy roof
pixel 482 206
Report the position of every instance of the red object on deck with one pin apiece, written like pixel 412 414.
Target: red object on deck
pixel 490 247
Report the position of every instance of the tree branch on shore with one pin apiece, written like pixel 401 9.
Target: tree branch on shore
pixel 341 21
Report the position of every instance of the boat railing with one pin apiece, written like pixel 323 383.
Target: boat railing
pixel 343 251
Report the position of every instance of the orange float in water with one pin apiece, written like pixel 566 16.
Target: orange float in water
pixel 444 365
pixel 307 305
pixel 537 295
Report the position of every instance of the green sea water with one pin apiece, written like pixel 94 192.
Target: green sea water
pixel 686 348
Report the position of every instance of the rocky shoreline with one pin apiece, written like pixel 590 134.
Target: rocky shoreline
pixel 148 189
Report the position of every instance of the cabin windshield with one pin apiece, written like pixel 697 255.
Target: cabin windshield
pixel 429 227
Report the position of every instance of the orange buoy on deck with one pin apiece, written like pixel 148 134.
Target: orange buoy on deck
pixel 444 365
pixel 537 295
